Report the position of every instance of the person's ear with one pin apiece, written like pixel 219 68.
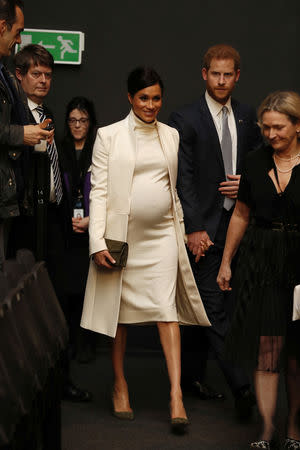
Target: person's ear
pixel 3 26
pixel 204 73
pixel 129 98
pixel 18 74
pixel 238 72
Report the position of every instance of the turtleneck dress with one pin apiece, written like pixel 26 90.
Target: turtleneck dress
pixel 149 279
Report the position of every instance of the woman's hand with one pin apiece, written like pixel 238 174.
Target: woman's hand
pixel 80 225
pixel 224 277
pixel 102 259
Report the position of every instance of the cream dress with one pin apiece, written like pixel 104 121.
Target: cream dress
pixel 149 279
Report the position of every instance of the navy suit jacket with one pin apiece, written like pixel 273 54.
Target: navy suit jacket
pixel 200 165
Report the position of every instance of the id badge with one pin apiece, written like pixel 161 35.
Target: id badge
pixel 41 147
pixel 78 213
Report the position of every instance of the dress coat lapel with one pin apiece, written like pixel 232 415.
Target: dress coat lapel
pixel 242 126
pixel 169 150
pixel 239 128
pixel 207 118
pixel 121 166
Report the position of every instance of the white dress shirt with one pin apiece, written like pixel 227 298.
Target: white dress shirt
pixel 32 106
pixel 215 109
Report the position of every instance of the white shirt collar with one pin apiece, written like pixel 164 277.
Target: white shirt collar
pixel 216 107
pixel 32 105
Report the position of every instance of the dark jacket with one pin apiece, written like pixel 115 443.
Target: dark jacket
pixel 13 115
pixel 76 172
pixel 200 165
pixel 32 227
pixel 76 178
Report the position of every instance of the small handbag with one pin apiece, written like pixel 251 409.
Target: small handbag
pixel 118 250
pixel 296 307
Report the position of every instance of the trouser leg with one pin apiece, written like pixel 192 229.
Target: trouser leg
pixel 194 343
pixel 214 300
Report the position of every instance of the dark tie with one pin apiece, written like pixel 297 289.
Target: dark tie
pixel 226 147
pixel 53 155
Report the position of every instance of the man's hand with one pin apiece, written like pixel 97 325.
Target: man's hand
pixel 102 258
pixel 198 243
pixel 33 134
pixel 230 188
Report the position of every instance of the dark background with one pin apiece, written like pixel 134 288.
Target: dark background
pixel 172 36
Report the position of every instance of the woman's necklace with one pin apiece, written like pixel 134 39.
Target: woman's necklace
pixel 285 171
pixel 275 155
pixel 285 159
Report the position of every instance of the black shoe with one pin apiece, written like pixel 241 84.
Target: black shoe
pixel 73 393
pixel 203 391
pixel 244 402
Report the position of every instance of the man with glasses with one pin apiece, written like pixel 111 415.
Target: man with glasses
pixel 44 228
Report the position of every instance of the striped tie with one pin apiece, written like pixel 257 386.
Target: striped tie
pixel 53 155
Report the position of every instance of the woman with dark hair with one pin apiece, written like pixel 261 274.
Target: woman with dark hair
pixel 76 158
pixel 134 200
pixel 266 226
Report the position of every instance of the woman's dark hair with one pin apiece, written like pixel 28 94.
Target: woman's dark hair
pixel 85 105
pixel 141 78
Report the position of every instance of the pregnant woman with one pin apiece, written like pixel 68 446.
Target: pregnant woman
pixel 133 199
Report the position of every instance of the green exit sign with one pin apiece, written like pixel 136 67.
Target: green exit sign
pixel 65 46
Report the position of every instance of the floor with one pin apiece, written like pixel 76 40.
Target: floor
pixel 213 423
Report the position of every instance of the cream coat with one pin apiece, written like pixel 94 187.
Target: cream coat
pixel 111 179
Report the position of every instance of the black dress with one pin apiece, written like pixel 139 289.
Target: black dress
pixel 268 268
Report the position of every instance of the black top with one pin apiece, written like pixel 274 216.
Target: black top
pixel 267 269
pixel 76 163
pixel 258 190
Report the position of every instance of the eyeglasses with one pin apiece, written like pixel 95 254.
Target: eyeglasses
pixel 82 121
pixel 37 74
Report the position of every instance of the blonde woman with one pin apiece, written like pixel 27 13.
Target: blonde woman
pixel 266 226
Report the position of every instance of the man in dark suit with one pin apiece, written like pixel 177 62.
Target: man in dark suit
pixel 15 133
pixel 43 225
pixel 215 134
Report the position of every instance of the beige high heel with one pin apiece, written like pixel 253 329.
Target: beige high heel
pixel 122 415
pixel 179 425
